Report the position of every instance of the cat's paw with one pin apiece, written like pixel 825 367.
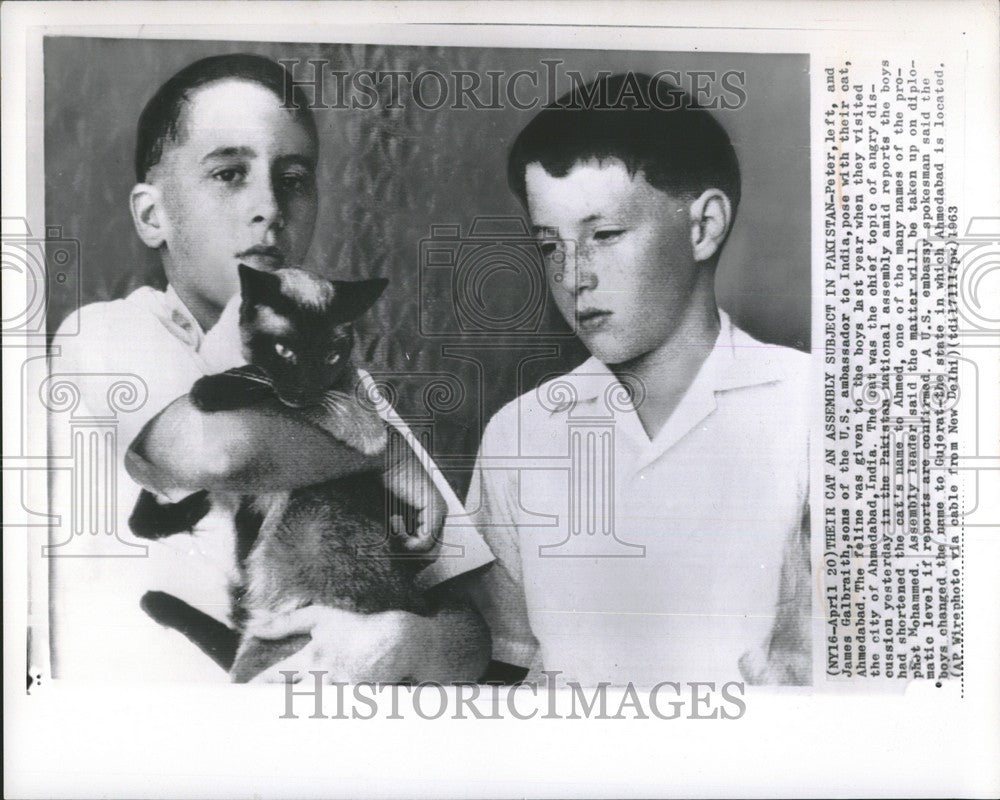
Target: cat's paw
pixel 227 391
pixel 412 534
pixel 193 507
pixel 153 520
pixel 213 393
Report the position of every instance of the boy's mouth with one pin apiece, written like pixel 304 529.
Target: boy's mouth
pixel 263 257
pixel 592 319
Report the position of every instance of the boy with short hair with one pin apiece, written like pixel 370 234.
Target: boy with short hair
pixel 649 510
pixel 225 175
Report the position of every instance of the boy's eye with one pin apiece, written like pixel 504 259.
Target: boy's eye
pixel 286 353
pixel 294 181
pixel 229 174
pixel 608 234
pixel 333 358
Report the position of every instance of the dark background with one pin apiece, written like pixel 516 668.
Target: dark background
pixel 387 175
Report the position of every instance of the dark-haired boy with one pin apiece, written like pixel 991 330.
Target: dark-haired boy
pixel 225 175
pixel 675 548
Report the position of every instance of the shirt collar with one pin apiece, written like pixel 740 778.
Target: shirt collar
pixel 592 394
pixel 739 361
pixel 180 319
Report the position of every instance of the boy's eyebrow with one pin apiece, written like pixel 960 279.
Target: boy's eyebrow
pixel 249 153
pixel 296 158
pixel 230 152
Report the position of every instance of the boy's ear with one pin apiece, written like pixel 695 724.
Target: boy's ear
pixel 150 222
pixel 711 215
pixel 354 298
pixel 257 286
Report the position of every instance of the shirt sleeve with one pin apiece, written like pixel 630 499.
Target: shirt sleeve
pixel 785 657
pixel 492 504
pixel 116 362
pixel 118 345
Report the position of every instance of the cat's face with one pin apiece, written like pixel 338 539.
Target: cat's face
pixel 296 326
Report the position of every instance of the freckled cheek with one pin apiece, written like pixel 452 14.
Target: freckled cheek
pixel 621 274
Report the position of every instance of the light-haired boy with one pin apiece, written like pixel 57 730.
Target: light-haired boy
pixel 225 174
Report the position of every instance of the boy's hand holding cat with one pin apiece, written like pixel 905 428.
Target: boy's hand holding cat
pixel 386 647
pixel 409 481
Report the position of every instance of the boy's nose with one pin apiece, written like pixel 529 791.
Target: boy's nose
pixel 266 209
pixel 577 271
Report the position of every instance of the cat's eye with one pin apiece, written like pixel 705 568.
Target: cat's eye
pixel 333 358
pixel 285 352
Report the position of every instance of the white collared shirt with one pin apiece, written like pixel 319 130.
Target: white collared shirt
pixel 647 560
pixel 99 629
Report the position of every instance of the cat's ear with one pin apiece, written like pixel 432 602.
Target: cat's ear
pixel 354 298
pixel 257 286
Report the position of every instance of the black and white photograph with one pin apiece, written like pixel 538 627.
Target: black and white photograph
pixel 388 373
pixel 554 295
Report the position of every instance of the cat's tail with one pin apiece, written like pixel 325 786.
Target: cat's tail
pixel 212 637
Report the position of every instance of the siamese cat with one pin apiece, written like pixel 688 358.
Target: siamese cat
pixel 342 543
